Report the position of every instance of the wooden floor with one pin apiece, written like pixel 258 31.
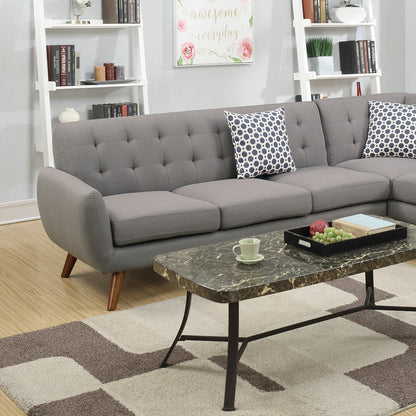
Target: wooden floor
pixel 33 296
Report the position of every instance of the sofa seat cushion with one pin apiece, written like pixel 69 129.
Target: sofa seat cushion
pixel 144 216
pixel 404 188
pixel 333 187
pixel 390 167
pixel 250 201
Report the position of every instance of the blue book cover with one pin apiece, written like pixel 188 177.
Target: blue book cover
pixel 369 221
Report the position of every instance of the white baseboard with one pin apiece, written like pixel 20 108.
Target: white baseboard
pixel 18 211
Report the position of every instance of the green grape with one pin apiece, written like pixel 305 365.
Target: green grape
pixel 332 235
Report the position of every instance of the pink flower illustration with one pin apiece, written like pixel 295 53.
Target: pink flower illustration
pixel 182 25
pixel 245 49
pixel 188 51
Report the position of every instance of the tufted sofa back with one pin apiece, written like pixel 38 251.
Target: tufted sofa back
pixel 345 123
pixel 165 151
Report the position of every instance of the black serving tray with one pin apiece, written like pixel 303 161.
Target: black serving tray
pixel 300 237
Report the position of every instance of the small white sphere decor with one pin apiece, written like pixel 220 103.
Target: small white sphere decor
pixel 68 115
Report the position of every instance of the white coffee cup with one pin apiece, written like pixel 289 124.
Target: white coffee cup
pixel 249 248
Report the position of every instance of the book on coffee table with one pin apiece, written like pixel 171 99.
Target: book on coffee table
pixel 361 224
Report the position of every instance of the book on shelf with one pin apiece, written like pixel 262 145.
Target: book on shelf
pixel 109 11
pixel 109 110
pixel 357 57
pixel 77 71
pixel 125 6
pixel 314 97
pixel 70 60
pixel 308 10
pixel 324 11
pixel 315 10
pixel 361 225
pixel 120 11
pixel 53 56
pixel 61 64
pixel 131 11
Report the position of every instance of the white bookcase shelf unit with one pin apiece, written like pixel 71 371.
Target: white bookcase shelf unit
pixel 46 88
pixel 304 27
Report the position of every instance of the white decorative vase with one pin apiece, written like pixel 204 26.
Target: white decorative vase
pixel 322 65
pixel 68 115
pixel 349 15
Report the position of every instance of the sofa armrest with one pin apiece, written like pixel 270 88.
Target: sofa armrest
pixel 75 217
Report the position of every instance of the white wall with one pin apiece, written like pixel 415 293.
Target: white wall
pixel 410 61
pixel 268 80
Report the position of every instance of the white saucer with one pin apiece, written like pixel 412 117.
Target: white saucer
pixel 259 258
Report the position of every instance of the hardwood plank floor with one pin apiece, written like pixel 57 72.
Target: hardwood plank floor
pixel 34 296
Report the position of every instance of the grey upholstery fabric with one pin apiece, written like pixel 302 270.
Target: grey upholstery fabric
pixel 402 211
pixel 410 99
pixel 404 188
pixel 74 217
pixel 139 255
pixel 249 201
pixel 390 167
pixel 143 216
pixel 345 124
pixel 304 130
pixel 191 152
pixel 333 187
pixel 165 151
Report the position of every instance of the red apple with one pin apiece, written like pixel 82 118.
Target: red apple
pixel 318 226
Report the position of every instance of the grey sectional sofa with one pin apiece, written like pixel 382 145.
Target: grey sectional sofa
pixel 126 189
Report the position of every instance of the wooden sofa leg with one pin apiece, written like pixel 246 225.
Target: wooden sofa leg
pixel 115 289
pixel 69 265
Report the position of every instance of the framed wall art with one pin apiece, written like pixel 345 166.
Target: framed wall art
pixel 213 32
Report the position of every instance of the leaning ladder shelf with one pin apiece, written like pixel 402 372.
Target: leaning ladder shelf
pixel 45 87
pixel 301 26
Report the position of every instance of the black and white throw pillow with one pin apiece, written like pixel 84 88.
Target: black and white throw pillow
pixel 391 130
pixel 261 145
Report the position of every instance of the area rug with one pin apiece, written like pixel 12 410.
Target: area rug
pixel 360 365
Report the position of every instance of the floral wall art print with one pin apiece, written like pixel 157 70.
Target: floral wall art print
pixel 213 32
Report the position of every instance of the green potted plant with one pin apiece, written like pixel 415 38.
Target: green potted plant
pixel 320 58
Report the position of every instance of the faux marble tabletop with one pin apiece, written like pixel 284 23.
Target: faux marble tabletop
pixel 213 272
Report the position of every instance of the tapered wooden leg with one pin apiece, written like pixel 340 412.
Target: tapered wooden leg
pixel 115 289
pixel 69 265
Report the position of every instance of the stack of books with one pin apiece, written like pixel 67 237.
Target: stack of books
pixel 357 57
pixel 114 110
pixel 63 65
pixel 121 11
pixel 316 10
pixel 361 225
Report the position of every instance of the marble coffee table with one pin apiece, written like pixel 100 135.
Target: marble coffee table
pixel 213 273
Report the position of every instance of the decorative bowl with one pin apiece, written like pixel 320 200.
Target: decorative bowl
pixel 348 14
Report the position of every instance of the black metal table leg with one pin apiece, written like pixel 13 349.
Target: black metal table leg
pixel 232 356
pixel 181 328
pixel 369 286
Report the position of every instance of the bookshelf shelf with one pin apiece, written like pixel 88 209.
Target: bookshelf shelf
pixel 51 24
pixel 338 75
pixel 44 27
pixel 308 24
pixel 303 26
pixel 52 86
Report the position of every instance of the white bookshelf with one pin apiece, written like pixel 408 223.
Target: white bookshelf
pixel 44 27
pixel 304 29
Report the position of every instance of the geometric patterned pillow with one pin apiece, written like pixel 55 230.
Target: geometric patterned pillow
pixel 261 145
pixel 391 130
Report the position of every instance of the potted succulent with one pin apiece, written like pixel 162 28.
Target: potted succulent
pixel 320 58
